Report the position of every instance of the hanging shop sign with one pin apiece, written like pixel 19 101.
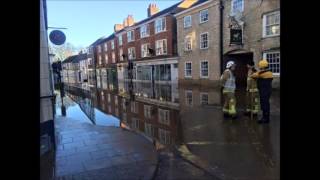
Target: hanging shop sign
pixel 236 36
pixel 57 37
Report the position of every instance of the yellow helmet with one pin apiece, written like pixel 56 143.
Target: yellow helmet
pixel 263 63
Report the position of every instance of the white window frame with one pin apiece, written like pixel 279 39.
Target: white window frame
pixel 145 33
pixel 116 100
pixel 99 49
pixel 112 44
pixel 232 12
pixel 207 40
pixel 149 129
pixel 186 97
pixel 185 69
pixel 105 46
pixel 201 69
pixel 109 97
pixel 147 111
pixel 164 136
pixel 131 36
pixel 186 43
pixel 100 59
pixel 166 49
pixel 143 50
pixel 164 116
pixel 272 52
pixel 264 24
pixel 185 25
pixel 124 117
pixel 135 123
pixel 162 28
pixel 201 95
pixel 120 40
pixel 106 58
pixel 134 107
pixel 109 109
pixel 113 56
pixel 120 54
pixel 200 16
pixel 130 57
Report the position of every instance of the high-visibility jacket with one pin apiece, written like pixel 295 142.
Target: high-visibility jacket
pixel 228 81
pixel 251 84
pixel 264 81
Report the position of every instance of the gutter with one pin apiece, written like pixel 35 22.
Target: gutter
pixel 221 7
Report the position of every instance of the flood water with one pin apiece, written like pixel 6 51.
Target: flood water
pixel 173 115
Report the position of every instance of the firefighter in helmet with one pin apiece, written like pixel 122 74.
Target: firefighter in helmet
pixel 264 79
pixel 228 82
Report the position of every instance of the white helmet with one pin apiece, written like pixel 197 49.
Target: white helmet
pixel 229 64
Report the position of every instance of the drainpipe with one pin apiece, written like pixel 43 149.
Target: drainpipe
pixel 221 36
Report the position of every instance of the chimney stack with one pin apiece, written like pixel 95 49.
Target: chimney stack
pixel 152 9
pixel 118 27
pixel 129 21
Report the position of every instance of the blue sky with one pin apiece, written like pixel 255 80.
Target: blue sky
pixel 88 20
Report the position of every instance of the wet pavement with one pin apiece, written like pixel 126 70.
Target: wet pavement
pixel 88 151
pixel 188 121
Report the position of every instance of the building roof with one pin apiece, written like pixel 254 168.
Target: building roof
pixel 193 5
pixel 75 58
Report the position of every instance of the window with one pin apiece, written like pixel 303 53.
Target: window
pixel 145 50
pixel 100 59
pixel 161 47
pixel 144 31
pixel 273 58
pixel 147 111
pixel 113 57
pixel 130 36
pixel 188 95
pixel 204 41
pixel 120 54
pixel 149 130
pixel 124 107
pixel 109 98
pixel 117 112
pixel 236 6
pixel 188 43
pixel 188 69
pixel 124 117
pixel 204 69
pixel 204 16
pixel 116 100
pixel 271 24
pixel 109 109
pixel 105 46
pixel 164 136
pixel 131 53
pixel 187 21
pixel 160 25
pixel 204 98
pixel 135 123
pixel 99 49
pixel 112 44
pixel 106 58
pixel 163 116
pixel 134 107
pixel 120 40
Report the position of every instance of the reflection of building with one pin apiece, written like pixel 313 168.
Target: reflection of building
pixel 198 47
pixel 73 69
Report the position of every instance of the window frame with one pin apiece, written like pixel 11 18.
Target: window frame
pixel 185 43
pixel 185 69
pixel 273 52
pixel 142 50
pixel 162 45
pixel 201 76
pixel 134 50
pixel 132 35
pixel 200 16
pixel 186 92
pixel 201 95
pixel 162 28
pixel 232 13
pixel 162 116
pixel 184 21
pixel 120 42
pixel 264 24
pixel 207 40
pixel 147 32
pixel 112 44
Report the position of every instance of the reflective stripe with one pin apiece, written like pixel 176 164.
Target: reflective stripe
pixel 253 90
pixel 231 82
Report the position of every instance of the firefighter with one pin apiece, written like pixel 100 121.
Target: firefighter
pixel 264 82
pixel 252 94
pixel 228 82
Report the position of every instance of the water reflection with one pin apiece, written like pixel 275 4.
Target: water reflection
pixel 189 115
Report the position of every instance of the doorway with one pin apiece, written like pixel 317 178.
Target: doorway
pixel 241 73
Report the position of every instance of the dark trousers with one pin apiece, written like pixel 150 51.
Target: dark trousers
pixel 265 104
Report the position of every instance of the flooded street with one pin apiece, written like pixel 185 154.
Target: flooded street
pixel 188 120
